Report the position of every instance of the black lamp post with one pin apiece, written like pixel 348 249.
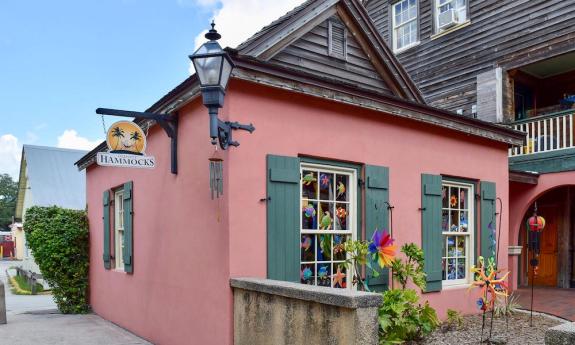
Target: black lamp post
pixel 214 66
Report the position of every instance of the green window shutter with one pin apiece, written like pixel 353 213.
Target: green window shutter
pixel 106 221
pixel 431 230
pixel 376 217
pixel 488 196
pixel 128 227
pixel 283 216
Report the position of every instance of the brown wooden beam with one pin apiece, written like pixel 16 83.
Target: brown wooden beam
pixel 523 177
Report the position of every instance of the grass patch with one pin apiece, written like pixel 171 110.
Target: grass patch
pixel 20 286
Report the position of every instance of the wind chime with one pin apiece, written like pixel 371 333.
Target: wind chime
pixel 216 175
pixel 535 224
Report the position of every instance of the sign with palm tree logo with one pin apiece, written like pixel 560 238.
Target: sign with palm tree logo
pixel 126 147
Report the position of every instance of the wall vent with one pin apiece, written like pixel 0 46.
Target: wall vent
pixel 337 40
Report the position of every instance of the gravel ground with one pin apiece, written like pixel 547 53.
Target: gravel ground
pixel 519 331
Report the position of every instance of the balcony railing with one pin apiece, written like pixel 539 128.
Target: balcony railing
pixel 545 133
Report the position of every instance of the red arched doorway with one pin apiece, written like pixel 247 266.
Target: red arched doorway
pixel 556 260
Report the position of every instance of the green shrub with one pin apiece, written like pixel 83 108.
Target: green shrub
pixel 58 239
pixel 401 317
pixel 454 321
pixel 506 306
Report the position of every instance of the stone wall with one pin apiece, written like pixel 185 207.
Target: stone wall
pixel 275 312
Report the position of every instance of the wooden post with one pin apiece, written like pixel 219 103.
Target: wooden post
pixel 2 304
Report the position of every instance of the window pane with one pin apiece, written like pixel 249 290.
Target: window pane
pixel 325 215
pixel 461 268
pixel 463 220
pixel 445 221
pixel 461 246
pixel 341 216
pixel 324 274
pixel 307 248
pixel 453 197
pixel 444 193
pixel 325 186
pixel 324 248
pixel 444 272
pixel 309 185
pixel 306 274
pixel 454 227
pixel 342 186
pixel 309 215
pixel 451 269
pixel 339 247
pixel 451 246
pixel 463 198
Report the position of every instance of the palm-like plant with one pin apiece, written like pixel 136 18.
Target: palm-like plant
pixel 136 137
pixel 117 133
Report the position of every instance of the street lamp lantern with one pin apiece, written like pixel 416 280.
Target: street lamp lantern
pixel 214 66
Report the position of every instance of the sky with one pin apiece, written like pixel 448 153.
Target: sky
pixel 62 59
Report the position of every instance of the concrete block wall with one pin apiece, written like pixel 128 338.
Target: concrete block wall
pixel 275 312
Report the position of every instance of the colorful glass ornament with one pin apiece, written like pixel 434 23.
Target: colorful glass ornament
pixel 309 211
pixel 453 201
pixel 341 213
pixel 536 223
pixel 383 248
pixel 306 243
pixel 338 278
pixel 306 274
pixel 324 181
pixel 340 189
pixel 308 179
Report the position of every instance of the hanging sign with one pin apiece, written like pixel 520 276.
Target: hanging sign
pixel 126 144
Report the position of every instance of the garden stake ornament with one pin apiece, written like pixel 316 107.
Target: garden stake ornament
pixel 535 226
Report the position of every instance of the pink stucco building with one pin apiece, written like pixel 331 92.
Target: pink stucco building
pixel 332 108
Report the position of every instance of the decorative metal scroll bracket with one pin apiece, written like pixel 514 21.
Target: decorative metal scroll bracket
pixel 169 122
pixel 225 130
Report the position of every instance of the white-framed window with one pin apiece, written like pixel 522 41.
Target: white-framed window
pixel 458 212
pixel 449 13
pixel 119 229
pixel 405 24
pixel 328 206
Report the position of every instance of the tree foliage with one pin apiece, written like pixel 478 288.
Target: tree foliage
pixel 59 240
pixel 8 195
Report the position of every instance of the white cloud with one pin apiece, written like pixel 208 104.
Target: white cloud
pixel 238 20
pixel 71 140
pixel 10 152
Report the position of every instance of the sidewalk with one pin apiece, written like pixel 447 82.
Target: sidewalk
pixel 35 320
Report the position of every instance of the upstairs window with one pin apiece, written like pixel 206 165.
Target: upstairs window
pixel 405 25
pixel 450 13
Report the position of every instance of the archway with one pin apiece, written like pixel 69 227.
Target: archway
pixel 556 261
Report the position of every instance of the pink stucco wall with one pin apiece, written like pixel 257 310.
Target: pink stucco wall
pixel 290 124
pixel 184 255
pixel 522 197
pixel 179 291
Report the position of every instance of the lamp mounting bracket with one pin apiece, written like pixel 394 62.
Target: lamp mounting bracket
pixel 225 129
pixel 168 122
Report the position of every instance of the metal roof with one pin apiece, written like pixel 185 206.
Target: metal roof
pixel 52 177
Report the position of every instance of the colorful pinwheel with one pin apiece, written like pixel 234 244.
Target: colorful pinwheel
pixel 383 248
pixel 491 286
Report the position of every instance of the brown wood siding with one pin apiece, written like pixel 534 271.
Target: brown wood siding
pixel 310 54
pixel 505 33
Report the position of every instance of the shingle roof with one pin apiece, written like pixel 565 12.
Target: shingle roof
pixel 53 178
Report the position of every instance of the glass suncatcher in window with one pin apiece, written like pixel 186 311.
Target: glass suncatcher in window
pixel 457 229
pixel 404 24
pixel 327 221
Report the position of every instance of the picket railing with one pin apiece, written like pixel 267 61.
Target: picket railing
pixel 545 133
